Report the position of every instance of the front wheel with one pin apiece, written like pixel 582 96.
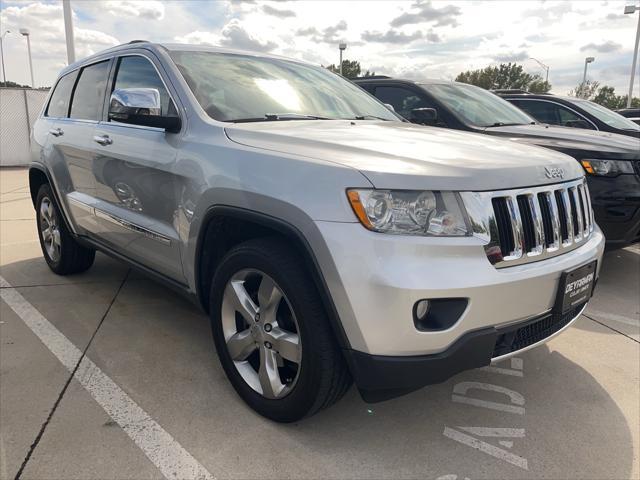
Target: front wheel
pixel 62 253
pixel 272 335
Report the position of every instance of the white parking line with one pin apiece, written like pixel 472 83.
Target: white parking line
pixel 157 444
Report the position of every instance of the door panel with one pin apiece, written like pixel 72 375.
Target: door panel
pixel 135 196
pixel 134 182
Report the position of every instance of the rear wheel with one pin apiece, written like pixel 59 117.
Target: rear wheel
pixel 62 253
pixel 272 335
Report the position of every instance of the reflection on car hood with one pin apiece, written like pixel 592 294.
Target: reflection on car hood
pixel 568 138
pixel 407 156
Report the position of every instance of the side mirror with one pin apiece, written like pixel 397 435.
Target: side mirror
pixel 390 107
pixel 140 106
pixel 577 124
pixel 424 116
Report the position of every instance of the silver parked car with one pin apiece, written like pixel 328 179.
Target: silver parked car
pixel 328 240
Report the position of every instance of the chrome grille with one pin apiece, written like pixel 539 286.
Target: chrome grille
pixel 531 224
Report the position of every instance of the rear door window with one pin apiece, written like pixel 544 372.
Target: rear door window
pixel 544 112
pixel 88 96
pixel 59 103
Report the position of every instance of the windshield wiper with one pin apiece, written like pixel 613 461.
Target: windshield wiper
pixel 365 117
pixel 503 124
pixel 273 117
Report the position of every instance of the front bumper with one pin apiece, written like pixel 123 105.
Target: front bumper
pixel 381 277
pixel 380 377
pixel 616 206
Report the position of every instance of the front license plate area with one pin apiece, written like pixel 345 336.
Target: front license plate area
pixel 576 287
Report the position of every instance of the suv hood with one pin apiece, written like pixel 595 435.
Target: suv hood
pixel 406 156
pixel 576 142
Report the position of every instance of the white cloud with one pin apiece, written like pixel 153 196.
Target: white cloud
pixel 399 37
pixel 137 8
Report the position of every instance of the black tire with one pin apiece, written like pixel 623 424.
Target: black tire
pixel 323 377
pixel 70 257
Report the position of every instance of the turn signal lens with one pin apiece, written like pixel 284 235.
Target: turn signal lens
pixel 607 168
pixel 358 209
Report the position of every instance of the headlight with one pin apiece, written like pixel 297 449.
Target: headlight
pixel 607 168
pixel 405 212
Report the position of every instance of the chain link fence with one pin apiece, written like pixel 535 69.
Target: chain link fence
pixel 19 108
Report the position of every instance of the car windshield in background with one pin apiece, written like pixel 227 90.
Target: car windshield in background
pixel 235 88
pixel 478 107
pixel 607 116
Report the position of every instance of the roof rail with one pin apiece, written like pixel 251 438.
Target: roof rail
pixel 372 77
pixel 509 91
pixel 137 41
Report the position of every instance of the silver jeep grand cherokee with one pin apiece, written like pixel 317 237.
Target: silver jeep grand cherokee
pixel 328 241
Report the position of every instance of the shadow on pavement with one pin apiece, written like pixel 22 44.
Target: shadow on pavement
pixel 158 348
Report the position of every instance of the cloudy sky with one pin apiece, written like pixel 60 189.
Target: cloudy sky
pixel 411 39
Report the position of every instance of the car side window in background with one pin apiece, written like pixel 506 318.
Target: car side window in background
pixel 59 103
pixel 570 119
pixel 544 112
pixel 138 72
pixel 403 100
pixel 88 97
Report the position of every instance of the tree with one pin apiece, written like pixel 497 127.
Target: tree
pixel 10 84
pixel 585 90
pixel 607 97
pixel 604 95
pixel 350 69
pixel 505 76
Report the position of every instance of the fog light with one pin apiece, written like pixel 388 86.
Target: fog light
pixel 420 310
pixel 437 314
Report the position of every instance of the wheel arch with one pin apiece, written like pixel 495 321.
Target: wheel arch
pixel 224 226
pixel 38 176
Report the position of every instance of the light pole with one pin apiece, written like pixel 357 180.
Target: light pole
pixel 4 72
pixel 587 61
pixel 342 47
pixel 632 9
pixel 25 32
pixel 68 31
pixel 543 66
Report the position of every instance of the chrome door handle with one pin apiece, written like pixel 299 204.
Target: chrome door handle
pixel 56 132
pixel 103 139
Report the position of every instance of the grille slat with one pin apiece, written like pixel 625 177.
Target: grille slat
pixel 538 222
pixel 528 228
pixel 576 213
pixel 547 219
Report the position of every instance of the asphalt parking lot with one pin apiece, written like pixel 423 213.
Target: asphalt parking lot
pixel 109 375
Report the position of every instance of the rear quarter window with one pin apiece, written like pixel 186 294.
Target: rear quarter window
pixel 59 102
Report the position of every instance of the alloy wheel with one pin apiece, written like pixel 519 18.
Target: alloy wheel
pixel 50 229
pixel 261 333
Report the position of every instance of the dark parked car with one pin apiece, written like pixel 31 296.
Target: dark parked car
pixel 632 114
pixel 572 112
pixel 611 161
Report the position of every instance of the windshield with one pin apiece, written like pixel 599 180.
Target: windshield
pixel 607 116
pixel 476 106
pixel 232 87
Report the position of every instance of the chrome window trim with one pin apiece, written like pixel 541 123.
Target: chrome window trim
pixel 555 103
pixel 479 207
pixel 131 226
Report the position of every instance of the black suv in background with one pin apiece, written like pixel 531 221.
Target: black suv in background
pixel 632 114
pixel 572 112
pixel 612 161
